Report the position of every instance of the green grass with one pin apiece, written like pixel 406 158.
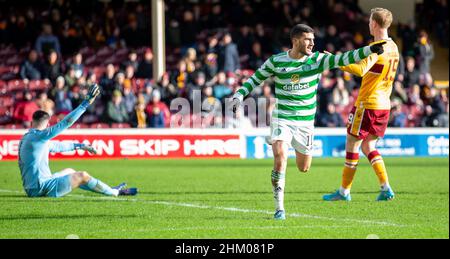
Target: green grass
pixel 192 199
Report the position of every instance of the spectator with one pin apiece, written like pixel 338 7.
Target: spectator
pixel 148 92
pixel 424 52
pixel 23 111
pixel 332 38
pixel 168 91
pixel 412 74
pixel 107 82
pixel 145 67
pixel 197 86
pixel 32 68
pixel 341 96
pixel 47 42
pixel 70 77
pixel 180 77
pixel 63 104
pixel 228 55
pixel 397 116
pixel 331 118
pixel 77 65
pixel 210 67
pixel 52 68
pixel 157 111
pixel 399 93
pixel 434 115
pixel 190 59
pixel 129 76
pixel 325 91
pixel 45 104
pixel 116 111
pixel 139 118
pixel 265 106
pixel 211 108
pixel 349 82
pixel 129 99
pixel 131 61
pixel 220 88
pixel 256 59
pixel 244 39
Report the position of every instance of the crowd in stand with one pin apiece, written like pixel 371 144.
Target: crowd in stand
pixel 50 52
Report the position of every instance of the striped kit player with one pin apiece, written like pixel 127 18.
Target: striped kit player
pixel 296 74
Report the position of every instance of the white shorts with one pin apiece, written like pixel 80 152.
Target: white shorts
pixel 300 138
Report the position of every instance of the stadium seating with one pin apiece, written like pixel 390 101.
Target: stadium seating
pixel 99 126
pixel 120 126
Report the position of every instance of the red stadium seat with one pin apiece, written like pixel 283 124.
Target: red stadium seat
pixel 39 85
pixel 92 61
pixel 17 85
pixel 54 120
pixel 3 87
pixel 6 101
pixel 4 111
pixel 79 126
pixel 14 60
pixel 14 126
pixel 104 52
pixel 120 126
pixel 99 126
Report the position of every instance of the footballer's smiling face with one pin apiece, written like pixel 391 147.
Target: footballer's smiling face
pixel 305 43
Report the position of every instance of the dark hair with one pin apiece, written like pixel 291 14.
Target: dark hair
pixel 40 116
pixel 299 29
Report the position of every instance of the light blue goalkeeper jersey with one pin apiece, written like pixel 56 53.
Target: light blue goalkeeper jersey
pixel 35 146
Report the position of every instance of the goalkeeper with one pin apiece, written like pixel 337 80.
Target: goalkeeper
pixel 34 150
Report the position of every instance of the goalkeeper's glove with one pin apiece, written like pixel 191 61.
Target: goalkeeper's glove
pixel 85 147
pixel 378 47
pixel 94 91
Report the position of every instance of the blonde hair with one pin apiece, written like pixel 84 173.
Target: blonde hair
pixel 382 17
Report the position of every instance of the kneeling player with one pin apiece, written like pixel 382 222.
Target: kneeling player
pixel 34 150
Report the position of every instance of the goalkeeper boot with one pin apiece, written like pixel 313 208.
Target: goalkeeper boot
pixel 337 196
pixel 128 192
pixel 386 195
pixel 279 215
pixel 120 186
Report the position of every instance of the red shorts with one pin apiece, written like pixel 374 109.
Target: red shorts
pixel 362 122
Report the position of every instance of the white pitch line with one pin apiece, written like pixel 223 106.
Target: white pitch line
pixel 198 206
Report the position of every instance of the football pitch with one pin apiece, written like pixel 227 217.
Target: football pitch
pixel 232 199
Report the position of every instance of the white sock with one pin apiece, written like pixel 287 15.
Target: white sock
pixel 385 187
pixel 278 184
pixel 343 191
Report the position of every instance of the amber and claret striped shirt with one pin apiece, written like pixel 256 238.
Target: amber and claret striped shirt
pixel 378 74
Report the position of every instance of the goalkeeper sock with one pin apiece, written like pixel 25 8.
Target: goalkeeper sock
pixel 380 170
pixel 278 184
pixel 351 163
pixel 95 185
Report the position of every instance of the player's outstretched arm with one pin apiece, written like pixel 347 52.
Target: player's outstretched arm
pixel 361 68
pixel 70 119
pixel 59 147
pixel 329 61
pixel 264 72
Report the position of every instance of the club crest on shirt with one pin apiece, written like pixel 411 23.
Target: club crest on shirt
pixel 295 78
